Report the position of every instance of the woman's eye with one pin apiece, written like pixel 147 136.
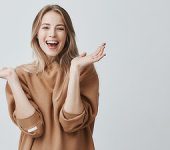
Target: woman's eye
pixel 60 29
pixel 45 27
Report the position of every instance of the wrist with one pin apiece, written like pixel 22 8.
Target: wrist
pixel 11 76
pixel 13 82
pixel 75 68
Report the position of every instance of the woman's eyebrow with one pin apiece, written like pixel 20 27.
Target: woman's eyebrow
pixel 60 25
pixel 56 25
pixel 45 24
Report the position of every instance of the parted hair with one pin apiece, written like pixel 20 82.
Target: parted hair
pixel 70 49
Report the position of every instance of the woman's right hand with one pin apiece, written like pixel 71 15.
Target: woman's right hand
pixel 8 73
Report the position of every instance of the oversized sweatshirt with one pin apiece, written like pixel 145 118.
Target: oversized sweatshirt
pixel 50 127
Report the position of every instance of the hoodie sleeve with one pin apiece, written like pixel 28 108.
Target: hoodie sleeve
pixel 89 91
pixel 33 125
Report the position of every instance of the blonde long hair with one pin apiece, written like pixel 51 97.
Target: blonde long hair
pixel 70 49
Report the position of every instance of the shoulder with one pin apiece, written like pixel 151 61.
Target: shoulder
pixel 25 69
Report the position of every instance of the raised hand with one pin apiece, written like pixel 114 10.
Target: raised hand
pixel 8 73
pixel 84 60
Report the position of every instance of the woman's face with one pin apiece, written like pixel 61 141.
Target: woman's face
pixel 52 34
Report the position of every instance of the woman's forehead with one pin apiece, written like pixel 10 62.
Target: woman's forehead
pixel 52 17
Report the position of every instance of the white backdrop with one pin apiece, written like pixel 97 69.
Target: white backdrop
pixel 134 110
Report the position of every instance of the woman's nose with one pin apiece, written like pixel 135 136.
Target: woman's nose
pixel 52 33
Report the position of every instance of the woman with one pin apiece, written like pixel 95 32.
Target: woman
pixel 54 100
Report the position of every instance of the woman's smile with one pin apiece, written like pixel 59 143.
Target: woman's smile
pixel 52 44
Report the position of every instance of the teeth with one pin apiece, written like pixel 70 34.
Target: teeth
pixel 51 42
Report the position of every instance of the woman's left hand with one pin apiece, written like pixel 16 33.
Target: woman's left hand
pixel 84 60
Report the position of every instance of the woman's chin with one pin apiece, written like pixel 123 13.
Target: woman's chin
pixel 51 54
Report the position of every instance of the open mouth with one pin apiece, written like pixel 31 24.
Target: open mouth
pixel 52 44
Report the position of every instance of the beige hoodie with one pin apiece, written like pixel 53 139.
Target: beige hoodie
pixel 50 127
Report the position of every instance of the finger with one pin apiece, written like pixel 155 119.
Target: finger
pixel 100 53
pixel 4 68
pixel 102 49
pixel 83 54
pixel 101 57
pixel 98 58
pixel 2 74
pixel 96 52
pixel 99 49
pixel 103 44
